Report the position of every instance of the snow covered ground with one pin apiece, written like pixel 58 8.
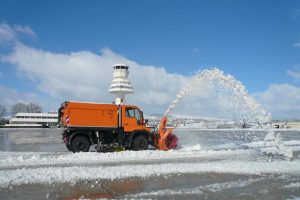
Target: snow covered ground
pixel 225 164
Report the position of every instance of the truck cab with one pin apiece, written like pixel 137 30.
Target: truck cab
pixel 132 118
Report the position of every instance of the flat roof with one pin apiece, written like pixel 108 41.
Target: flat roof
pixel 37 114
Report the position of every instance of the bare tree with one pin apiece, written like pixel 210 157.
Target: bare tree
pixel 2 110
pixel 34 108
pixel 17 108
pixel 25 108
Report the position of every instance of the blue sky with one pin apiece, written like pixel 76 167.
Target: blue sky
pixel 258 42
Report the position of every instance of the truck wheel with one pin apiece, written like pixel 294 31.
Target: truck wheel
pixel 80 143
pixel 140 142
pixel 69 147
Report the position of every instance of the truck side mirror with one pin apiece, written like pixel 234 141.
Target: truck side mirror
pixel 146 121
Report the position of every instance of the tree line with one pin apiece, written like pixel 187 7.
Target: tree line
pixel 20 107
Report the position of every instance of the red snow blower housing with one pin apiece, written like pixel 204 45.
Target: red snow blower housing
pixel 164 139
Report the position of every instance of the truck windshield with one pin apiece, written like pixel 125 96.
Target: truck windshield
pixel 133 112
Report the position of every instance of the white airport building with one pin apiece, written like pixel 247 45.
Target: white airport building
pixel 34 119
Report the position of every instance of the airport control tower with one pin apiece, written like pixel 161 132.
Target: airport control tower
pixel 120 84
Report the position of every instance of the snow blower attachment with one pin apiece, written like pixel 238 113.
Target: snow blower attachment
pixel 111 127
pixel 164 139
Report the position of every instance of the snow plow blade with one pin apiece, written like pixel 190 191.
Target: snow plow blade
pixel 164 139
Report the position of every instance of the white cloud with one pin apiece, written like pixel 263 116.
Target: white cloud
pixel 297 44
pixel 295 13
pixel 10 96
pixel 24 29
pixel 196 50
pixel 85 76
pixel 282 100
pixel 294 73
pixel 8 34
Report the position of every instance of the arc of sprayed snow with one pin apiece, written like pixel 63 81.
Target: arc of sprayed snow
pixel 223 82
pixel 185 91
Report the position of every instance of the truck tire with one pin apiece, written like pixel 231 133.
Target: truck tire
pixel 140 142
pixel 69 147
pixel 80 144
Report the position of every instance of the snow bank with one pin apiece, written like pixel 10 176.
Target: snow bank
pixel 223 151
pixel 274 145
pixel 293 185
pixel 262 143
pixel 35 159
pixel 74 174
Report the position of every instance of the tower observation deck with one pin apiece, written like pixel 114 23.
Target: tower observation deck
pixel 120 84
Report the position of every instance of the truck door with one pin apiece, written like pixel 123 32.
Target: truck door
pixel 131 119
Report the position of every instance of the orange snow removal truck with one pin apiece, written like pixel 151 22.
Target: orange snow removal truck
pixel 109 127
